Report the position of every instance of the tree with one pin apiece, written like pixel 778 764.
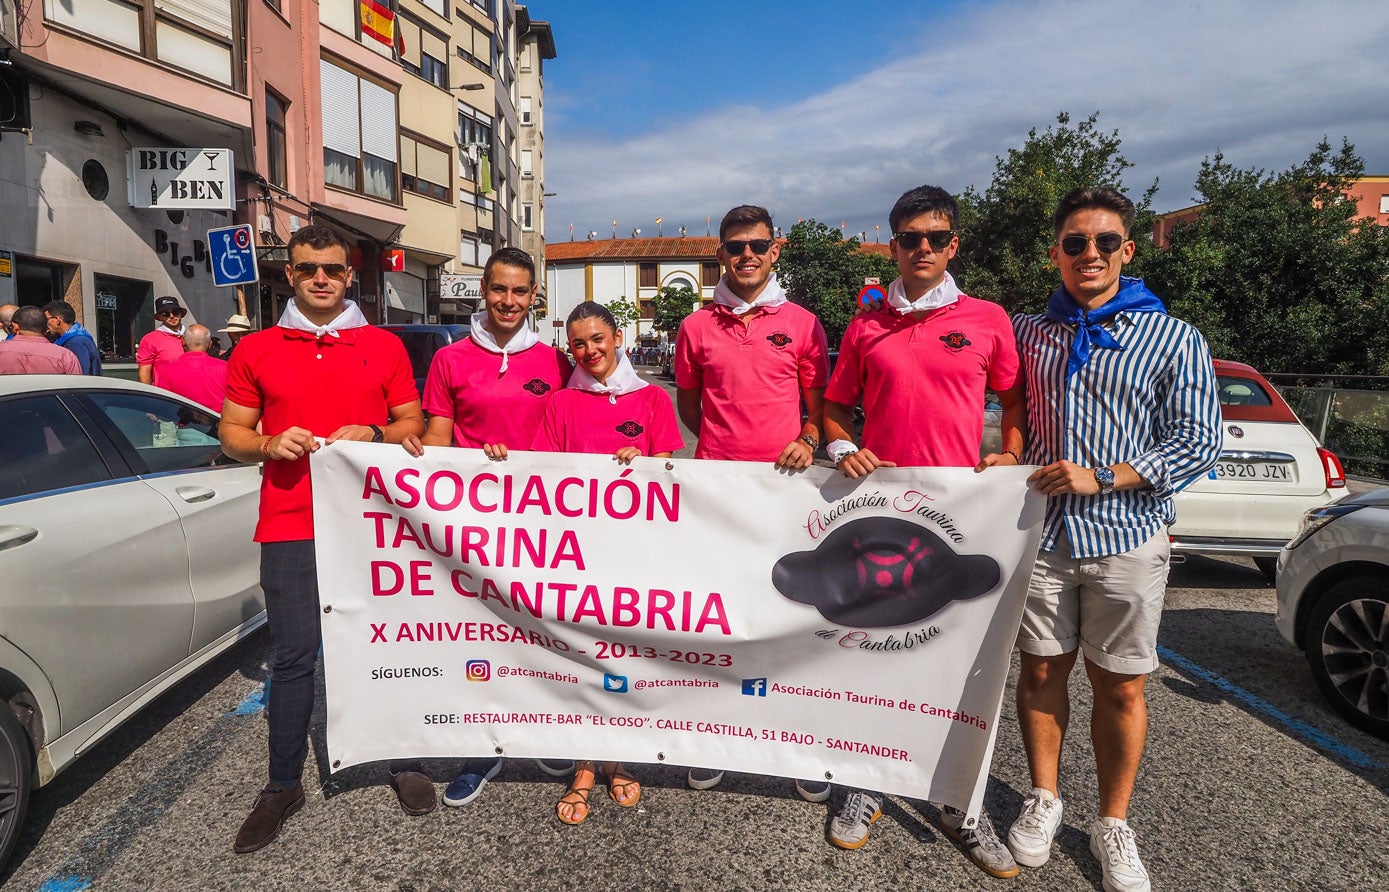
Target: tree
pixel 1278 271
pixel 823 272
pixel 624 311
pixel 1005 232
pixel 672 305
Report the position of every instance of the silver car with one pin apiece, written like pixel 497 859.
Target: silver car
pixel 1333 604
pixel 126 559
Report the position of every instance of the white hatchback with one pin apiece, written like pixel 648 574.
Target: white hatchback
pixel 125 536
pixel 1271 470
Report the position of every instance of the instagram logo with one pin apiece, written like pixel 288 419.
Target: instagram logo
pixel 478 670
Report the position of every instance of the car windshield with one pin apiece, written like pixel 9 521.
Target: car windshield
pixel 1250 399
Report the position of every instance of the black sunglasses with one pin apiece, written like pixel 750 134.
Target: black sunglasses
pixel 938 240
pixel 1105 242
pixel 734 247
pixel 307 270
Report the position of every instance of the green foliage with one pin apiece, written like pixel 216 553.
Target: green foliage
pixel 672 305
pixel 1005 232
pixel 624 311
pixel 1277 271
pixel 823 272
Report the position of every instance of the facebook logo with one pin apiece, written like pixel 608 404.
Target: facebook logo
pixel 754 687
pixel 614 684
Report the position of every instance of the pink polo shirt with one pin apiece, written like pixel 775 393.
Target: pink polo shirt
pixel 199 377
pixel 159 348
pixel 922 382
pixel 579 421
pixel 750 377
pixel 466 384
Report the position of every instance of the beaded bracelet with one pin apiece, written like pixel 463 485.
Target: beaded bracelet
pixel 265 447
pixel 1017 459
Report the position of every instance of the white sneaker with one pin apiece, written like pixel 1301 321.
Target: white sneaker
pixel 981 843
pixel 813 791
pixel 1029 839
pixel 1113 843
pixel 849 828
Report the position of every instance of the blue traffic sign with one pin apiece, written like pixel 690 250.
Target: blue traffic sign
pixel 233 251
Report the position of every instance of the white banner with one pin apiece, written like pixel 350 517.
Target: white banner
pixel 698 613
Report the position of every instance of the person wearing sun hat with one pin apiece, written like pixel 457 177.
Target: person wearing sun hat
pixel 238 326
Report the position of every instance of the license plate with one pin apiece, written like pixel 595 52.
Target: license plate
pixel 1254 472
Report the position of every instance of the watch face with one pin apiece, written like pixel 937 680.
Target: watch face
pixel 1105 478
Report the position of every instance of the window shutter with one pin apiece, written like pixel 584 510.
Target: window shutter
pixel 378 122
pixel 407 155
pixel 341 110
pixel 210 15
pixel 433 164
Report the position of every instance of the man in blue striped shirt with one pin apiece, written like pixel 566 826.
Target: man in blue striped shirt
pixel 1123 412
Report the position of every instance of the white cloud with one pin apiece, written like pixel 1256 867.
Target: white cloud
pixel 1260 81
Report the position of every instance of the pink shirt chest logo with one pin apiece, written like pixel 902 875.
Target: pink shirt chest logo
pixel 955 341
pixel 630 429
pixel 537 387
pixel 779 339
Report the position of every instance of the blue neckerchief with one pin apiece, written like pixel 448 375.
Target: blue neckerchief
pixel 1133 297
pixel 75 331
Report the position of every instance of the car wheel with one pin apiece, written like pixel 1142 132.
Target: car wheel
pixel 16 780
pixel 1348 649
pixel 1269 567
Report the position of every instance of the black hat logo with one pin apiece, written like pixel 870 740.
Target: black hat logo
pixel 882 571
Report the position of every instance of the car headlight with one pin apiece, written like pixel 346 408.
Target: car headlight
pixel 1317 518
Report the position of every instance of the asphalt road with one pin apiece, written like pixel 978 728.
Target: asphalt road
pixel 1250 782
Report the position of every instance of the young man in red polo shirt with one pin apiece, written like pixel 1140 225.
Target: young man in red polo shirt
pixel 743 366
pixel 321 372
pixel 921 366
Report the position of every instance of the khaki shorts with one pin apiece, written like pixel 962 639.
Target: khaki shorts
pixel 1109 606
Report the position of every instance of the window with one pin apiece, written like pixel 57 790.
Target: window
pixel 424 167
pixel 646 275
pixel 438 6
pixel 527 216
pixel 1384 204
pixel 276 146
pixel 42 448
pixel 360 150
pixel 424 52
pixel 474 140
pixel 165 434
pixel 474 46
pixel 525 110
pixel 647 308
pixel 195 35
pixel 527 163
pixel 708 274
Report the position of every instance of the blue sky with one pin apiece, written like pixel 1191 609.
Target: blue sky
pixel 831 110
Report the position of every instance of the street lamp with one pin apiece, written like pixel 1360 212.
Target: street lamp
pixel 469 87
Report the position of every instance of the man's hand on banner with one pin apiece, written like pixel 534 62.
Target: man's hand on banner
pixel 293 443
pixel 862 463
pixel 413 445
pixel 495 451
pixel 1063 477
pixel 797 456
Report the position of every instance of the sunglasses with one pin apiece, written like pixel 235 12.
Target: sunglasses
pixel 1105 243
pixel 938 240
pixel 177 314
pixel 734 247
pixel 307 270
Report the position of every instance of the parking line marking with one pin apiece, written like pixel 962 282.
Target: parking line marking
pixel 65 884
pixel 255 701
pixel 1316 736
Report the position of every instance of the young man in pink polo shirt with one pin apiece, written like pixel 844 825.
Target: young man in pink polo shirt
pixel 163 345
pixel 921 366
pixel 743 366
pixel 488 392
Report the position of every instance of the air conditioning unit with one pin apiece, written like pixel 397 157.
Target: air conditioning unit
pixel 263 223
pixel 294 223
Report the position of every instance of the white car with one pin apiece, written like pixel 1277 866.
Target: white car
pixel 1333 604
pixel 127 560
pixel 1271 470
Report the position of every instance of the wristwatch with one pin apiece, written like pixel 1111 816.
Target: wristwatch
pixel 810 441
pixel 1105 478
pixel 378 436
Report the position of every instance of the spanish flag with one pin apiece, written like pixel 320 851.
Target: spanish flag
pixel 378 22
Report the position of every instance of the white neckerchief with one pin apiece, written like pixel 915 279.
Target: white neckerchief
pixel 350 317
pixel 943 295
pixel 771 296
pixel 177 332
pixel 624 379
pixel 523 340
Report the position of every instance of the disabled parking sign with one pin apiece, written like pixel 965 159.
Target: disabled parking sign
pixel 233 250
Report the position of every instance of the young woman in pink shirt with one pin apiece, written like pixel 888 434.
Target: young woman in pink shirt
pixel 606 408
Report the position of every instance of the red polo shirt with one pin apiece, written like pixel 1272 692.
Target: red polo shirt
pixel 750 377
pixel 298 380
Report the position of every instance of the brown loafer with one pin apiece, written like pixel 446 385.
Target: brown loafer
pixel 415 790
pixel 270 811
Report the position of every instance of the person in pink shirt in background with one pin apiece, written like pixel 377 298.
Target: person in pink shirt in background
pixel 606 408
pixel 921 366
pixel 486 392
pixel 743 367
pixel 163 345
pixel 197 374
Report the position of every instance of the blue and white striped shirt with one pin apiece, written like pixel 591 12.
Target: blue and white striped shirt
pixel 1153 404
